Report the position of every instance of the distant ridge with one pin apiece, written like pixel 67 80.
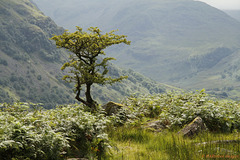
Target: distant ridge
pixel 234 13
pixel 169 38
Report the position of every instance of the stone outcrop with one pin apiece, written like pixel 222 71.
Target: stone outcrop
pixel 111 108
pixel 193 128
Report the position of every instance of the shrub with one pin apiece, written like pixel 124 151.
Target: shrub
pixel 29 132
pixel 178 109
pixel 3 62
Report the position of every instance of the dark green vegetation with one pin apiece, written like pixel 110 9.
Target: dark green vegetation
pixel 173 41
pixel 27 131
pixel 30 62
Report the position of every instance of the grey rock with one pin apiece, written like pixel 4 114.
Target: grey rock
pixel 155 126
pixel 112 108
pixel 193 128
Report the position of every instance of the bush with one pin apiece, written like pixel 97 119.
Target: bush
pixel 178 109
pixel 3 62
pixel 30 133
pixel 39 77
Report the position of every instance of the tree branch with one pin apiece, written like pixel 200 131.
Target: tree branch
pixel 79 91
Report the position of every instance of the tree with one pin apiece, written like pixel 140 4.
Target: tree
pixel 87 63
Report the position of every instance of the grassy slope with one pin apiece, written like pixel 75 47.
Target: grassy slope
pixel 164 34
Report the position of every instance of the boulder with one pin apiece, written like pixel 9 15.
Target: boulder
pixel 111 108
pixel 155 126
pixel 193 128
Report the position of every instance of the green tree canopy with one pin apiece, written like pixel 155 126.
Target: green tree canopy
pixel 85 62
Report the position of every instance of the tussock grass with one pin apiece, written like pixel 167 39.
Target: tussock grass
pixel 136 143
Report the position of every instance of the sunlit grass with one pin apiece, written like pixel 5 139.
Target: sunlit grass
pixel 136 143
pixel 132 150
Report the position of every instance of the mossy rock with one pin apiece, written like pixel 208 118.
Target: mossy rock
pixel 155 126
pixel 193 128
pixel 112 108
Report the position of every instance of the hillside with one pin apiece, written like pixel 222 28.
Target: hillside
pixel 185 43
pixel 30 62
pixel 234 13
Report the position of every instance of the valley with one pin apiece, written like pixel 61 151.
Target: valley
pixel 169 39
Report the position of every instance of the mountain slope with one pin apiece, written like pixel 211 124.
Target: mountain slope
pixel 30 63
pixel 179 42
pixel 29 56
pixel 234 13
